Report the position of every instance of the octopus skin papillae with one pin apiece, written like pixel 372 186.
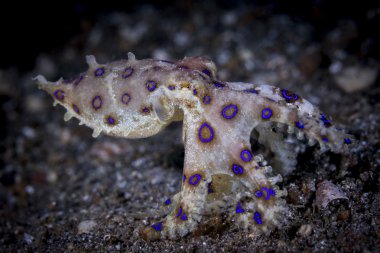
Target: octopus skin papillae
pixel 221 176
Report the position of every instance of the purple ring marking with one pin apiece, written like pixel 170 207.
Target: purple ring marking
pixel 325 121
pixel 99 72
pixel 289 96
pixel 325 139
pixel 237 169
pixel 168 202
pixel 299 125
pixel 218 84
pixel 195 92
pixel 194 179
pixel 157 226
pixel 206 99
pixel 266 113
pixel 252 90
pixel 127 72
pixel 246 155
pixel 259 194
pixel 145 110
pixel 111 120
pixel 59 94
pixel 151 85
pixel 184 217
pixel 239 208
pixel 184 178
pixel 76 109
pixel 210 137
pixel 207 72
pixel 179 212
pixel 347 141
pixel 97 102
pixel 227 108
pixel 270 192
pixel 257 218
pixel 171 87
pixel 77 81
pixel 125 98
pixel 209 188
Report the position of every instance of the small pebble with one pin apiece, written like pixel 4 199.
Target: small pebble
pixel 305 230
pixel 355 78
pixel 86 226
pixel 327 192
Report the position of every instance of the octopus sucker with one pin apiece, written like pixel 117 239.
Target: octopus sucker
pixel 222 176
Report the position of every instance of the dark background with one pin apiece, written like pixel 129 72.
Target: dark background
pixel 55 178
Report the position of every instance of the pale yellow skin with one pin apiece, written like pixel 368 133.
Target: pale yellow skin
pixel 161 92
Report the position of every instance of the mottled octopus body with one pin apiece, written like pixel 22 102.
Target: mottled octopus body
pixel 221 176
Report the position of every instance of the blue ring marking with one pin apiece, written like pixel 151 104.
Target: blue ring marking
pixel 99 72
pixel 271 192
pixel 151 85
pixel 252 90
pixel 179 212
pixel 300 125
pixel 218 84
pixel 59 94
pixel 127 72
pixel 206 99
pixel 157 226
pixel 168 202
pixel 266 113
pixel 237 169
pixel 239 208
pixel 76 108
pixel 125 98
pixel 195 92
pixel 97 100
pixel 171 87
pixel 207 72
pixel 111 120
pixel 209 188
pixel 145 109
pixel 259 194
pixel 325 139
pixel 197 178
pixel 210 138
pixel 347 140
pixel 80 78
pixel 246 155
pixel 257 218
pixel 225 109
pixel 184 217
pixel 289 96
pixel 325 121
pixel 184 178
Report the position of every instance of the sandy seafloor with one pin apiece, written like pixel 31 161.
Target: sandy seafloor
pixel 63 191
